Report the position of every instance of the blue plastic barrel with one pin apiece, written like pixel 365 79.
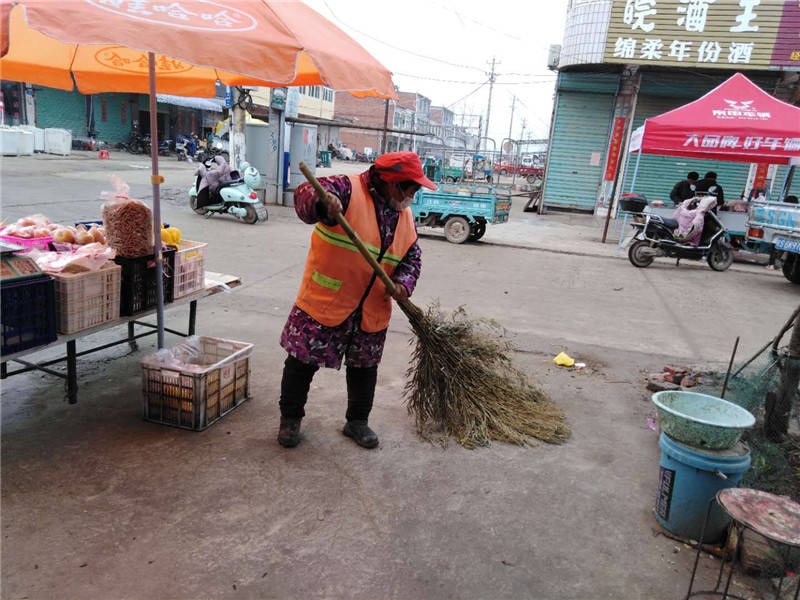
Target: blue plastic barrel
pixel 689 478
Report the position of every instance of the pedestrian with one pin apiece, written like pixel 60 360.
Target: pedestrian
pixel 342 309
pixel 684 189
pixel 709 185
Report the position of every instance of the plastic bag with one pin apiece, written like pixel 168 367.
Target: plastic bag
pixel 187 356
pixel 128 222
pixel 89 257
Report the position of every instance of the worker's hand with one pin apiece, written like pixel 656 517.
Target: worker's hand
pixel 400 292
pixel 334 205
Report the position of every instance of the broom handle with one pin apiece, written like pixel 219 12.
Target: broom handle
pixel 390 285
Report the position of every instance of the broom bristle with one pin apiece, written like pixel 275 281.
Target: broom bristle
pixel 462 383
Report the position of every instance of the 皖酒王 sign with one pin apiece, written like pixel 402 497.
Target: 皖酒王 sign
pixel 731 34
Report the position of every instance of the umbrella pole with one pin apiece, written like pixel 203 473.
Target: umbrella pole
pixel 156 179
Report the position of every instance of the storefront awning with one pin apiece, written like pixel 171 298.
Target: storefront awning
pixel 212 104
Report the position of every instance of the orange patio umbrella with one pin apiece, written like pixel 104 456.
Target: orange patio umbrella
pixel 103 44
pixel 181 48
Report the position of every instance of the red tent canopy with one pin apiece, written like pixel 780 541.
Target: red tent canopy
pixel 737 121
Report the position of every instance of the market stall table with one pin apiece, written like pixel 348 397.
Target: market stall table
pixel 214 283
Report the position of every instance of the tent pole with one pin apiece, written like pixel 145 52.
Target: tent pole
pixel 635 171
pixel 156 180
pixel 787 181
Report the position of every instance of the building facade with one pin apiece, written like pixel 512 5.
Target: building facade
pixel 112 117
pixel 623 61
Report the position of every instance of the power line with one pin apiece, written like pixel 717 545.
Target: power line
pixel 528 74
pixel 468 95
pixel 552 78
pixel 522 82
pixel 490 28
pixel 380 41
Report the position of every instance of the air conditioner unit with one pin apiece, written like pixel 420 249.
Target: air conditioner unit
pixel 553 56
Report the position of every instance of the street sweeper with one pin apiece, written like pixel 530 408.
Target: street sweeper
pixel 342 309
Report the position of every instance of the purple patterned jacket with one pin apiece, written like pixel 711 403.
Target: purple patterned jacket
pixel 308 340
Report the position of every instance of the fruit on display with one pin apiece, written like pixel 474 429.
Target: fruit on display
pixel 171 236
pixel 64 236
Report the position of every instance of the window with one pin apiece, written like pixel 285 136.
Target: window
pixel 302 90
pixel 327 94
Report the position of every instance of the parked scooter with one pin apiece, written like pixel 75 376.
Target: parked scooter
pixel 695 234
pixel 220 189
pixel 186 147
pixel 165 147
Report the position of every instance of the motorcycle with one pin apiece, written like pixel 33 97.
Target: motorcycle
pixel 165 147
pixel 185 148
pixel 214 147
pixel 695 234
pixel 220 189
pixel 137 144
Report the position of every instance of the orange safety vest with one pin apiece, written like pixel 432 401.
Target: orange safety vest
pixel 337 276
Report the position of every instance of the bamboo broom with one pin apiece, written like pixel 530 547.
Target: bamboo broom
pixel 461 380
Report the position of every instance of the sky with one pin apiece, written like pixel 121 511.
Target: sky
pixel 443 50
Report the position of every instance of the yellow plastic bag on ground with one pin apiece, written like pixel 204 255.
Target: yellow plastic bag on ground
pixel 564 360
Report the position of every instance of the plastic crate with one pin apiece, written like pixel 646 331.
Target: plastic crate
pixel 190 274
pixel 85 300
pixel 42 243
pixel 139 291
pixel 196 397
pixel 27 315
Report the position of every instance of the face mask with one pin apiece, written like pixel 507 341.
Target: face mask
pixel 405 202
pixel 398 206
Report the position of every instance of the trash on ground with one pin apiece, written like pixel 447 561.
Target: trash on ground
pixel 564 360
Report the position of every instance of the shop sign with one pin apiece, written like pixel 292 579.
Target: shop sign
pixel 195 15
pixel 613 148
pixel 731 34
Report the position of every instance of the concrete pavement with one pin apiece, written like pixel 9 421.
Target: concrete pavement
pixel 97 503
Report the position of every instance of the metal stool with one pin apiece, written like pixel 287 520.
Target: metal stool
pixel 774 517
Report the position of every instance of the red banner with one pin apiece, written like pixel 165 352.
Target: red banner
pixel 613 148
pixel 760 180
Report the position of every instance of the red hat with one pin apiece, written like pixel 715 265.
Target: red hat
pixel 395 167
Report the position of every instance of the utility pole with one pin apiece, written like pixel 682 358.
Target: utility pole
pixel 492 78
pixel 522 134
pixel 385 125
pixel 511 123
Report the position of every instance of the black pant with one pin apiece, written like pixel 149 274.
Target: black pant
pixel 297 378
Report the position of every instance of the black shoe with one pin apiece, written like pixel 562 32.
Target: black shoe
pixel 360 432
pixel 289 432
